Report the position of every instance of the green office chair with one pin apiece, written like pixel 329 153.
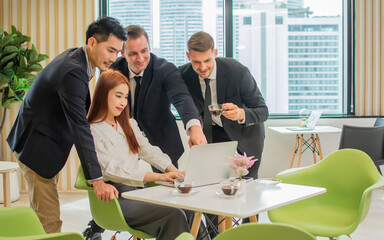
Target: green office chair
pixel 349 176
pixel 251 231
pixel 22 223
pixel 107 215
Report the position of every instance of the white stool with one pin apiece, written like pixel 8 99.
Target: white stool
pixel 6 168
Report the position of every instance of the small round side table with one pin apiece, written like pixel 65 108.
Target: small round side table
pixel 6 168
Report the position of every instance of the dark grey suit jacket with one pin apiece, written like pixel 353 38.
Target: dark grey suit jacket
pixel 162 85
pixel 53 117
pixel 236 85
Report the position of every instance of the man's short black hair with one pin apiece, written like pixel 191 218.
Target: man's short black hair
pixel 103 27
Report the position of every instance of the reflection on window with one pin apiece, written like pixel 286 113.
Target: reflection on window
pixel 294 50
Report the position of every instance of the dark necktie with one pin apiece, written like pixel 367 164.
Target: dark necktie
pixel 137 90
pixel 207 118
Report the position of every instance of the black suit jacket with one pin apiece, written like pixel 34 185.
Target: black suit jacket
pixel 53 117
pixel 236 85
pixel 162 85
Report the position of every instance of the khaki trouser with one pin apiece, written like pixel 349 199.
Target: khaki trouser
pixel 43 198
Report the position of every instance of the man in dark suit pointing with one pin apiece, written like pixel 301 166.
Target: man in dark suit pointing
pixel 155 84
pixel 53 117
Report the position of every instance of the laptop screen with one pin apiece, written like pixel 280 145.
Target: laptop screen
pixel 206 163
pixel 313 119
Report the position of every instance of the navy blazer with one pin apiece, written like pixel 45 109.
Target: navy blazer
pixel 235 84
pixel 53 117
pixel 162 85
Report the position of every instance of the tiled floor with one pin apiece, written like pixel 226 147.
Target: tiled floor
pixel 75 215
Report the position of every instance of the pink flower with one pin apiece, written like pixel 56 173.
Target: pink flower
pixel 241 163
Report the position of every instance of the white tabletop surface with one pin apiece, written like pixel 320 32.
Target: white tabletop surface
pixel 258 198
pixel 317 129
pixel 6 166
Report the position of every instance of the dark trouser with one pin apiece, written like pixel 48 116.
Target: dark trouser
pixel 161 221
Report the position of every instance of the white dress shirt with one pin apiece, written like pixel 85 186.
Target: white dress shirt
pixel 212 84
pixel 117 163
pixel 132 86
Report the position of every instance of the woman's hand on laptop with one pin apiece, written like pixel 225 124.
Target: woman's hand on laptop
pixel 171 172
pixel 169 176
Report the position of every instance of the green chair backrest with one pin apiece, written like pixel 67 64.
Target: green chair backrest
pixel 107 215
pixel 19 221
pixel 275 231
pixel 185 236
pixel 349 175
pixel 22 223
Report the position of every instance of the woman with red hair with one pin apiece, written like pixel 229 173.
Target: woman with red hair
pixel 119 144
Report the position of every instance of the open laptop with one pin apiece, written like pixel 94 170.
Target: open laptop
pixel 206 163
pixel 311 122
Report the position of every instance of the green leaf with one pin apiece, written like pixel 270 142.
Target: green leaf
pixel 11 93
pixel 6 40
pixel 35 68
pixel 4 79
pixel 41 57
pixel 33 54
pixel 7 58
pixel 14 30
pixel 22 64
pixel 10 49
pixel 20 95
pixel 9 65
pixel 8 72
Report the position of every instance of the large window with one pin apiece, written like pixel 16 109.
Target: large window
pixel 295 49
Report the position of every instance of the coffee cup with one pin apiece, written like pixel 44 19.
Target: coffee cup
pixel 216 109
pixel 229 187
pixel 183 186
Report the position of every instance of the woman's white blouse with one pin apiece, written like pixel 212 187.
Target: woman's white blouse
pixel 117 163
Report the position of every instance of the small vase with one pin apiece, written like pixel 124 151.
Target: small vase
pixel 242 186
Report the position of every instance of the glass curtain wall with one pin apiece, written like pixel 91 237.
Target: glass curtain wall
pixel 295 49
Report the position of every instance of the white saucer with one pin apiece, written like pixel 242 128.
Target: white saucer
pixel 176 193
pixel 268 181
pixel 222 195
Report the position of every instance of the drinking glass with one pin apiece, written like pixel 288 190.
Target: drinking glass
pixel 183 186
pixel 215 109
pixel 229 187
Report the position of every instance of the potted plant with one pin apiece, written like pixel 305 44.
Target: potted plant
pixel 240 165
pixel 19 66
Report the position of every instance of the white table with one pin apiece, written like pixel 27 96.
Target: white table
pixel 258 198
pixel 312 143
pixel 6 168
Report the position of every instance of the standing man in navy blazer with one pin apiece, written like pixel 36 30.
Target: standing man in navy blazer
pixel 53 117
pixel 231 84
